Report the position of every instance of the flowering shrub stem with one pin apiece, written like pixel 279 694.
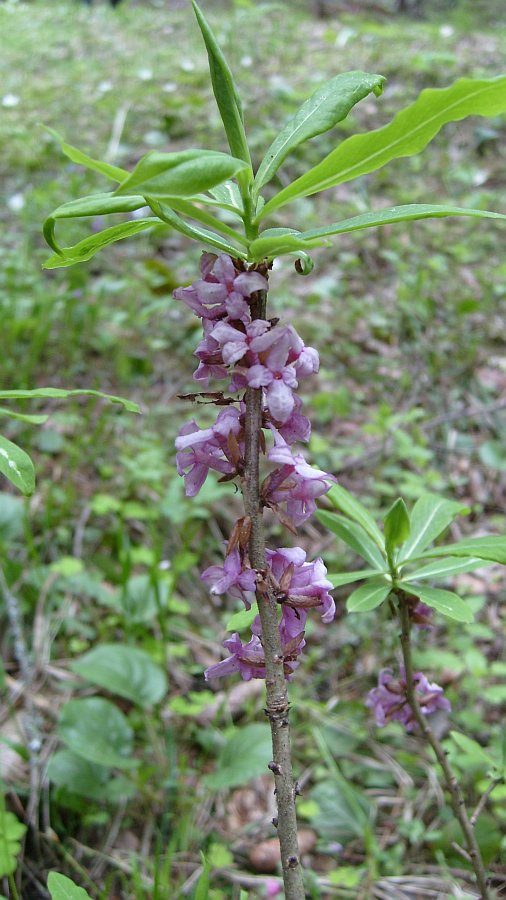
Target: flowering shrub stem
pixel 277 707
pixel 456 796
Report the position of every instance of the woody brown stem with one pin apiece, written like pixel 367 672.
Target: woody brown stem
pixel 277 706
pixel 456 796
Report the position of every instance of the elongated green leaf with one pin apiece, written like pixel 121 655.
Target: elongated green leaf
pixel 200 215
pixel 431 515
pixel 23 417
pixel 445 602
pixel 368 596
pixel 82 159
pixel 492 549
pixel 350 506
pixel 271 244
pixel 225 91
pixel 202 235
pixel 397 525
pixel 353 535
pixel 17 466
pixel 62 888
pixel 61 393
pixel 126 671
pixel 444 568
pixel 408 133
pixel 84 250
pixel 180 174
pixel 473 748
pixel 338 579
pixel 93 205
pixel 329 105
pixel 228 195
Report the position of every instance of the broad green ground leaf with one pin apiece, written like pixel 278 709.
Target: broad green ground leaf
pixel 84 250
pixel 244 756
pixel 61 393
pixel 225 91
pixel 340 578
pixel 445 602
pixel 82 159
pixel 492 549
pixel 396 525
pixel 11 834
pixel 472 748
pixel 180 174
pixel 62 888
pixel 329 105
pixel 93 205
pixel 23 417
pixel 202 235
pixel 17 466
pixel 79 776
pixel 97 730
pixel 407 134
pixel 368 596
pixel 242 619
pixel 430 516
pixel 288 240
pixel 350 506
pixel 353 535
pixel 343 813
pixel 12 515
pixel 126 671
pixel 444 568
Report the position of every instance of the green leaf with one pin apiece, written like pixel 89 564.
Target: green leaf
pixel 82 159
pixel 242 619
pixel 340 578
pixel 183 174
pixel 329 105
pixel 228 196
pixel 62 888
pixel 17 466
pixel 202 235
pixel 126 671
pixel 23 417
pixel 430 516
pixel 445 602
pixel 244 756
pixel 350 506
pixel 444 568
pixel 353 535
pixel 84 250
pixel 343 812
pixel 97 730
pixel 93 205
pixel 83 778
pixel 472 748
pixel 288 240
pixel 189 209
pixel 492 549
pixel 407 134
pixel 396 525
pixel 11 833
pixel 225 91
pixel 368 596
pixel 61 393
pixel 202 887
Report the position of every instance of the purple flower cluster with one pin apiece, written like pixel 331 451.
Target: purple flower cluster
pixel 255 353
pixel 390 703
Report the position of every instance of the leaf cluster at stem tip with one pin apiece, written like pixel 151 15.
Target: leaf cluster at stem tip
pixel 191 190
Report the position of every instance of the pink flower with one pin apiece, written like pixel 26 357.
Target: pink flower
pixel 236 344
pixel 222 289
pixel 390 703
pixel 200 450
pixel 304 583
pixel 296 483
pixel 232 578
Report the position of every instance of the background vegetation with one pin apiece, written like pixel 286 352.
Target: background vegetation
pixel 410 324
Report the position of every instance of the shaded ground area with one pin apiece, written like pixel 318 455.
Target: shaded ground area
pixel 409 323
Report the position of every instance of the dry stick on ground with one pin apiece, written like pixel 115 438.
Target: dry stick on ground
pixel 452 784
pixel 277 708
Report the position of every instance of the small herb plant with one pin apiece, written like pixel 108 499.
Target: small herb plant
pixel 261 360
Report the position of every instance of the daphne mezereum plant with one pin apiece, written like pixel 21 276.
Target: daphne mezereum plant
pixel 261 360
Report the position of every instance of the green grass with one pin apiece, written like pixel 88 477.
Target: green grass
pixel 410 325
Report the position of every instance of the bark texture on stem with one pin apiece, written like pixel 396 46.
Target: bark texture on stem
pixel 277 707
pixel 457 799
